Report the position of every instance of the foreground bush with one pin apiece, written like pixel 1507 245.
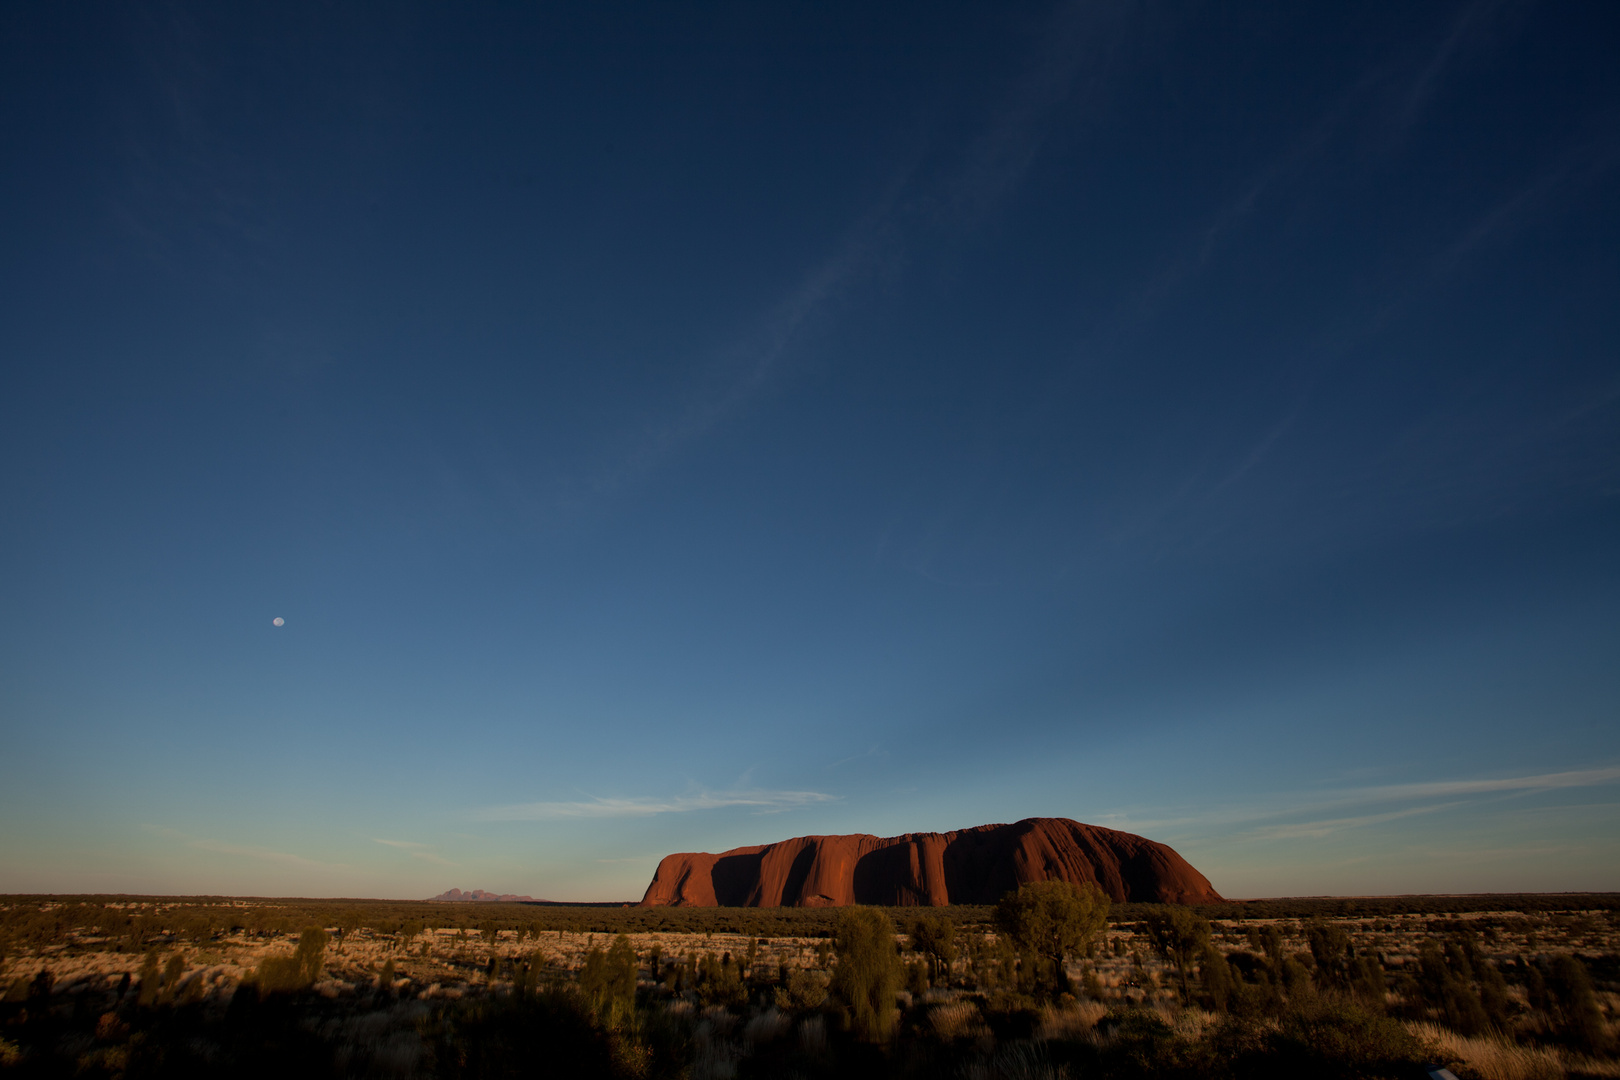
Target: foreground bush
pixel 868 971
pixel 1334 1036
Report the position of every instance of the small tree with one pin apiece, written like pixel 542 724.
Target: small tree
pixel 1049 921
pixel 1271 943
pixel 149 979
pixel 303 967
pixel 609 979
pixel 311 949
pixel 719 982
pixel 1582 1019
pixel 173 971
pixel 1330 948
pixel 347 923
pixel 1444 981
pixel 1179 935
pixel 1367 981
pixel 868 973
pixel 934 935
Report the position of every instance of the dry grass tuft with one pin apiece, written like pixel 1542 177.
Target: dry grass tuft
pixel 813 1035
pixel 955 1020
pixel 1192 1024
pixel 1490 1058
pixel 768 1026
pixel 1019 1061
pixel 1074 1022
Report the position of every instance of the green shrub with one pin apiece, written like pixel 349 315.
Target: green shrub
pixel 284 974
pixel 1049 921
pixel 1179 935
pixel 1334 1036
pixel 868 973
pixel 1330 948
pixel 1576 1005
pixel 934 935
pixel 719 982
pixel 1444 982
pixel 608 980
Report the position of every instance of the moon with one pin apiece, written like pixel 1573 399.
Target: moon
pixel 278 621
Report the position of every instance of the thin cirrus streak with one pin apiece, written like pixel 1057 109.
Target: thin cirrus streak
pixel 1332 825
pixel 424 852
pixel 221 847
pixel 1239 815
pixel 994 167
pixel 1539 782
pixel 763 801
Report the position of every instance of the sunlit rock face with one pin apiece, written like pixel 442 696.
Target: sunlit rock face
pixel 969 866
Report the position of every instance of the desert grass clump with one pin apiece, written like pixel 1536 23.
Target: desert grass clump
pixel 1489 1057
pixel 494 1037
pixel 956 1020
pixel 813 1036
pixel 767 1027
pixel 1070 1023
pixel 1016 1061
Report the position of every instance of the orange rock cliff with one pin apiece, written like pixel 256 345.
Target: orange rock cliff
pixel 969 866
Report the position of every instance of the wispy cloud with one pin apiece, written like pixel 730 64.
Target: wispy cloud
pixel 1472 31
pixel 875 751
pixel 1298 829
pixel 1079 38
pixel 1584 162
pixel 1068 70
pixel 1268 822
pixel 424 852
pixel 761 801
pixel 221 847
pixel 1442 788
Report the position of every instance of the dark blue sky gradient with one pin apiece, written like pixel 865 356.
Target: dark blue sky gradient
pixel 668 429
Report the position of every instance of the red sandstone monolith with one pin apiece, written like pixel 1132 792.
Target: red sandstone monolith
pixel 970 866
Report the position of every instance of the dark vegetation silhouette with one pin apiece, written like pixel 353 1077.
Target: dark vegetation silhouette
pixel 1050 982
pixel 933 935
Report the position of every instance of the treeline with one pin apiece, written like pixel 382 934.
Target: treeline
pixel 136 923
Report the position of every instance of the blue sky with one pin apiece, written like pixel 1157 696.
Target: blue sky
pixel 673 428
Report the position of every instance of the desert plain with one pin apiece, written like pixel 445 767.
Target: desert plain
pixel 130 986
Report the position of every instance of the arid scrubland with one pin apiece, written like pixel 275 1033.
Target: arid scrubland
pixel 1507 987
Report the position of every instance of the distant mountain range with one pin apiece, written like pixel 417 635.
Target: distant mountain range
pixel 456 896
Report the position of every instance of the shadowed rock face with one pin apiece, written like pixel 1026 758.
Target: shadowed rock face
pixel 971 866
